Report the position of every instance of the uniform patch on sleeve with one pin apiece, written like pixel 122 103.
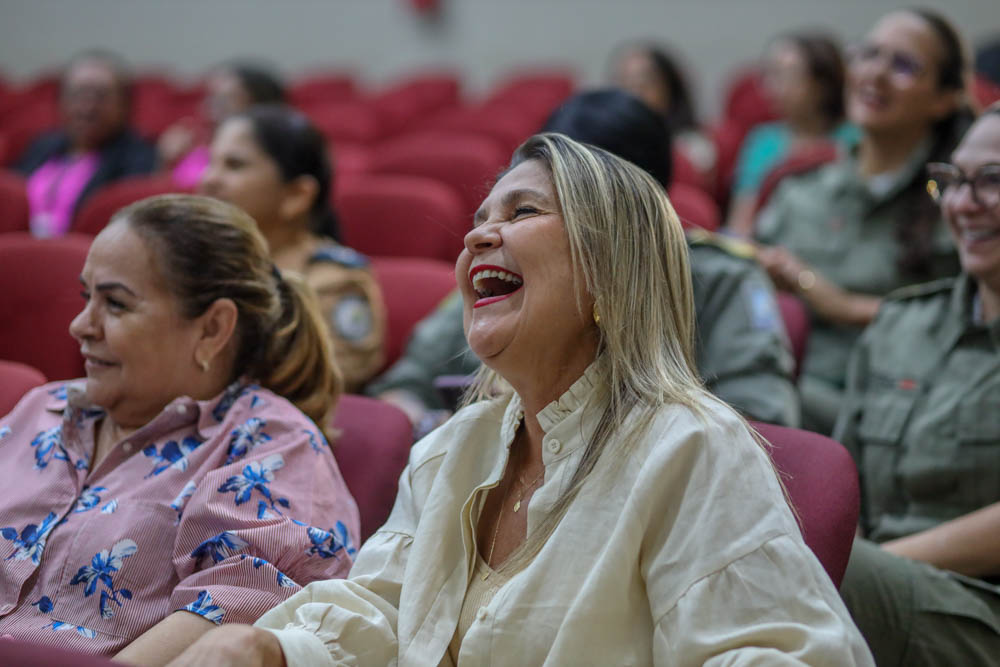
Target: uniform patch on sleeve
pixel 762 308
pixel 352 318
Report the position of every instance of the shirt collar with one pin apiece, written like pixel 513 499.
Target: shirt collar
pixel 572 399
pixel 70 399
pixel 848 175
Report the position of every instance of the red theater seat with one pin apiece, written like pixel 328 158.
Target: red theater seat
pixel 402 216
pixel 15 212
pixel 40 297
pixel 371 452
pixel 822 485
pixel 412 288
pixel 694 207
pixel 414 97
pixel 97 210
pixel 16 380
pixel 349 121
pixel 322 87
pixel 505 124
pixel 467 163
pixel 796 319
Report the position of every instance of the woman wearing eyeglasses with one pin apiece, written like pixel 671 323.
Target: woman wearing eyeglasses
pixel 848 234
pixel 922 417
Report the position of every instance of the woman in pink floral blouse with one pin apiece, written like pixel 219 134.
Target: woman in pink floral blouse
pixel 184 483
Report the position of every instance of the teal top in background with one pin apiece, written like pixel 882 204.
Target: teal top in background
pixel 768 145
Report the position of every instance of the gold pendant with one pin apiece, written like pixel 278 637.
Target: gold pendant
pixel 517 505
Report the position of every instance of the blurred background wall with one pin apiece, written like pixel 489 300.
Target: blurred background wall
pixel 482 39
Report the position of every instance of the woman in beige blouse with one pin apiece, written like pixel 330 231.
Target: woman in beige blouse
pixel 593 504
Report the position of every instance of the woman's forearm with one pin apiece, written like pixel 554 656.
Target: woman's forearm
pixel 968 545
pixel 835 303
pixel 166 640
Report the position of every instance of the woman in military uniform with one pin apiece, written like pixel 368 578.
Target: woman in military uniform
pixel 272 162
pixel 850 233
pixel 922 418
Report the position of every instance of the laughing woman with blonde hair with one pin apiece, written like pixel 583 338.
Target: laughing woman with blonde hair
pixel 593 504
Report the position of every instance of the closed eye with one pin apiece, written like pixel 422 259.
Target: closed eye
pixel 524 210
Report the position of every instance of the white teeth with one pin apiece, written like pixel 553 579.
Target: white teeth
pixel 480 276
pixel 980 234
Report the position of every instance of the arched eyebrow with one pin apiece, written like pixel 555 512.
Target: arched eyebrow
pixel 108 287
pixel 512 197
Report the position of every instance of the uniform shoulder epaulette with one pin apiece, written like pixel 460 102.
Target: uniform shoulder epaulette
pixel 339 254
pixel 730 245
pixel 922 290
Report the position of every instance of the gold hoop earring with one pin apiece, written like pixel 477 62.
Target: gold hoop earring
pixel 597 315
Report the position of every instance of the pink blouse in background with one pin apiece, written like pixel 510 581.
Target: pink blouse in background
pixel 189 170
pixel 53 190
pixel 221 508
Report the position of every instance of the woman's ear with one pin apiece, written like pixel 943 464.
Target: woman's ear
pixel 217 325
pixel 300 194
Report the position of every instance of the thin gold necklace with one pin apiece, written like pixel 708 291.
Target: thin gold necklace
pixel 524 487
pixel 496 529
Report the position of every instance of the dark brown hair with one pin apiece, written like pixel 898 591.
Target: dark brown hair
pixel 206 250
pixel 915 229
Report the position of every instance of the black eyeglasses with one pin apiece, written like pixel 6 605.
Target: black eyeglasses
pixel 944 180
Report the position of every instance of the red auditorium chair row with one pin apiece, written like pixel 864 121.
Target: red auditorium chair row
pixel 333 101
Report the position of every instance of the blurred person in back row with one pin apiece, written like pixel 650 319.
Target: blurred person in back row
pixel 656 77
pixel 186 481
pixel 741 349
pixel 272 162
pixel 922 419
pixel 94 147
pixel 849 233
pixel 230 89
pixel 804 74
pixel 593 504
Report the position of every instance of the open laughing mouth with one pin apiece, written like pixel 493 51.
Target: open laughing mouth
pixel 493 283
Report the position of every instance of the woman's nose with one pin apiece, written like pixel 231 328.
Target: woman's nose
pixel 82 325
pixel 482 238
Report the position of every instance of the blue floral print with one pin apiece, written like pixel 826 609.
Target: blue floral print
pixel 48 447
pixel 171 455
pixel 246 437
pixel 180 502
pixel 58 393
pixel 110 507
pixel 4 432
pixel 44 604
pixel 101 569
pixel 89 499
pixel 203 607
pixel 257 475
pixel 326 544
pixel 58 626
pixel 231 395
pixel 285 582
pixel 31 541
pixel 314 441
pixel 219 547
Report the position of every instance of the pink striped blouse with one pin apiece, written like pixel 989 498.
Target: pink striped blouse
pixel 221 508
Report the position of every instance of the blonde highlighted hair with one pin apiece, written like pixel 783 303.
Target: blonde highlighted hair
pixel 206 250
pixel 626 239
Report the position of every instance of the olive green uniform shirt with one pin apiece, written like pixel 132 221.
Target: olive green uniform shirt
pixel 843 226
pixel 922 410
pixel 742 348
